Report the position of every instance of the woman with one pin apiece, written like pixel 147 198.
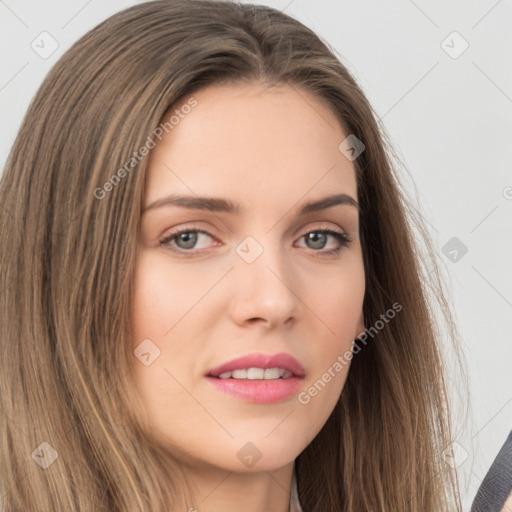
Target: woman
pixel 211 292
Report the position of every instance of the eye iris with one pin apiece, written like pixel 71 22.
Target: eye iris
pixel 189 238
pixel 314 237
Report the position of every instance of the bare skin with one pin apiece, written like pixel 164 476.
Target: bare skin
pixel 271 151
pixel 507 507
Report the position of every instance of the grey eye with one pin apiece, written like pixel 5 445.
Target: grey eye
pixel 189 239
pixel 317 239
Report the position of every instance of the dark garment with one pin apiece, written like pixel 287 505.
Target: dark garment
pixel 497 484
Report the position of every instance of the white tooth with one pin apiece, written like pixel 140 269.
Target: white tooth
pixel 239 374
pixel 255 373
pixel 272 373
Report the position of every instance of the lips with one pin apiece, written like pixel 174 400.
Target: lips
pixel 275 388
pixel 264 361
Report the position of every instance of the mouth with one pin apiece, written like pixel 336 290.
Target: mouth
pixel 259 366
pixel 256 374
pixel 259 378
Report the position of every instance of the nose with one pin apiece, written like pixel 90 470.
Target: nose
pixel 265 290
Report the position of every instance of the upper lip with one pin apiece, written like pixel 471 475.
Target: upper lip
pixel 281 360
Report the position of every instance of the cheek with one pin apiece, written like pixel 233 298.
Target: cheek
pixel 164 295
pixel 336 306
pixel 162 300
pixel 336 302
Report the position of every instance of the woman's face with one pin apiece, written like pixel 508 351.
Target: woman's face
pixel 260 280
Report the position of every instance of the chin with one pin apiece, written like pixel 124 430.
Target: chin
pixel 242 456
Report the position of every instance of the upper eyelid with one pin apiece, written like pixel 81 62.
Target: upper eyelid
pixel 322 227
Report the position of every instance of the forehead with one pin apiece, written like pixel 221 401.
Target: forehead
pixel 250 141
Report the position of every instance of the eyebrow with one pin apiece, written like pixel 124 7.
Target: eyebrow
pixel 216 204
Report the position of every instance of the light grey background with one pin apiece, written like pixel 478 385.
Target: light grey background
pixel 449 116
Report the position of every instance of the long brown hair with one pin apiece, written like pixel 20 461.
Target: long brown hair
pixel 69 225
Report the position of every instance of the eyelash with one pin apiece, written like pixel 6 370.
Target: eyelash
pixel 342 238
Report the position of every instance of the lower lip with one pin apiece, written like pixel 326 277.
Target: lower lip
pixel 258 390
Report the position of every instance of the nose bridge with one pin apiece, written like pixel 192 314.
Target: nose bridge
pixel 257 255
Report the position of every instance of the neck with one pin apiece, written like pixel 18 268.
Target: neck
pixel 217 489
